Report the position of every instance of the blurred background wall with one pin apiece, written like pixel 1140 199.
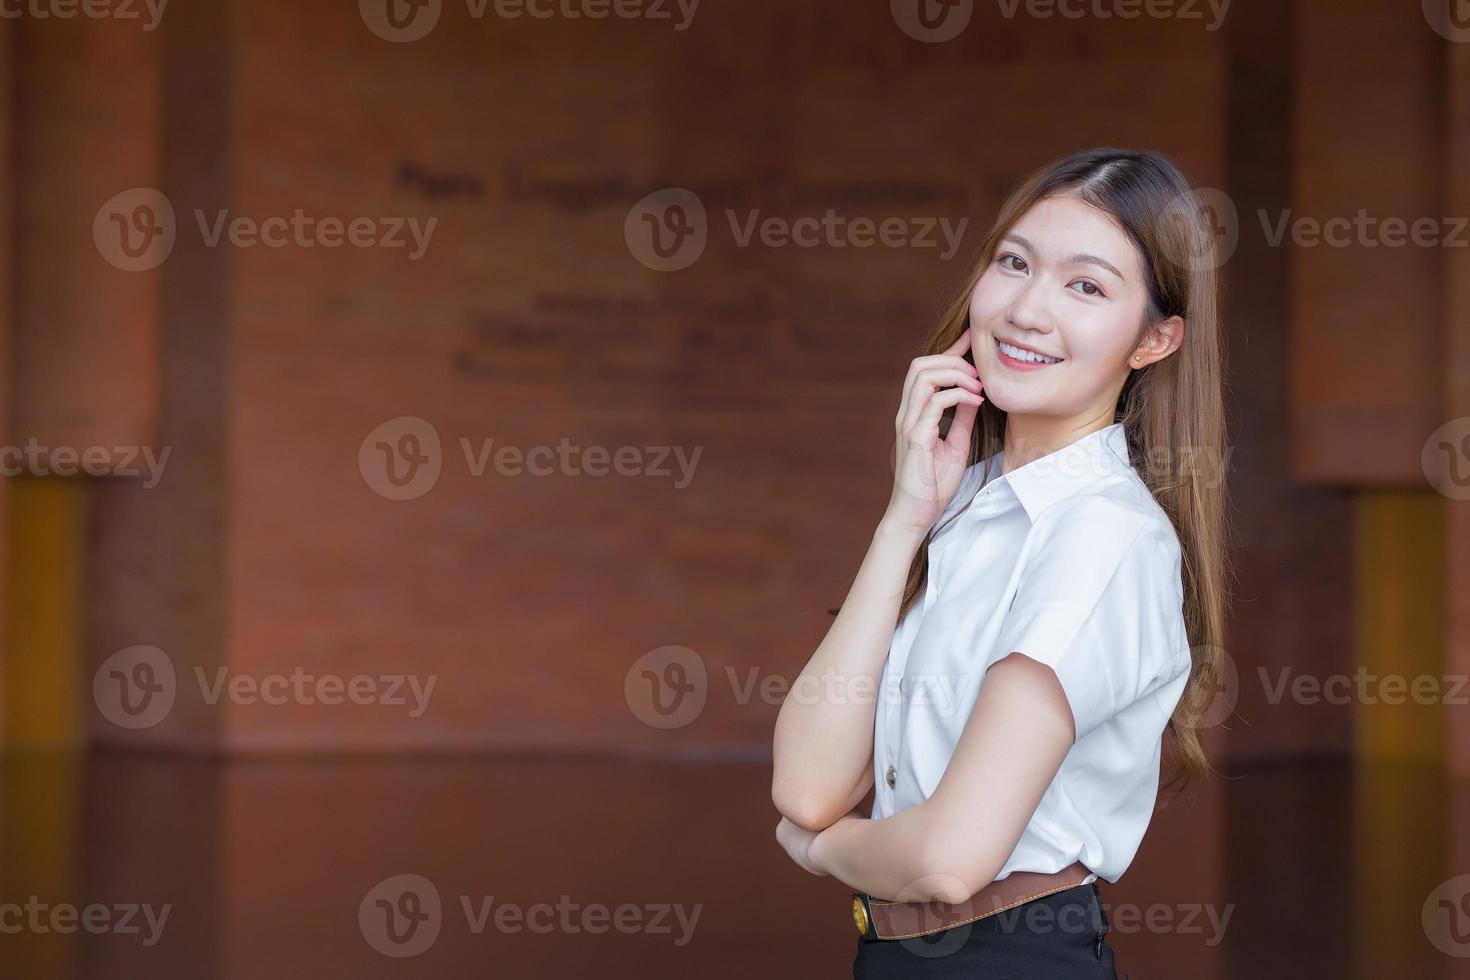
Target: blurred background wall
pixel 426 456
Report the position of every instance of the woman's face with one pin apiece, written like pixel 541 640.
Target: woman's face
pixel 1067 283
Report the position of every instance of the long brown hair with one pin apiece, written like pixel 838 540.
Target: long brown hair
pixel 1172 410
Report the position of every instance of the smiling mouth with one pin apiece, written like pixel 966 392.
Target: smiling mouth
pixel 1023 356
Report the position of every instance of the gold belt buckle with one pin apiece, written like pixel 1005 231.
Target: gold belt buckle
pixel 859 915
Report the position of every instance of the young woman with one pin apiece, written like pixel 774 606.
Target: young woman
pixel 1053 558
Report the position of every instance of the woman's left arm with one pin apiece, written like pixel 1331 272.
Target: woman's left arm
pixel 955 843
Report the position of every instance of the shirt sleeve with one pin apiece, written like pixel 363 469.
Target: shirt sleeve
pixel 1100 602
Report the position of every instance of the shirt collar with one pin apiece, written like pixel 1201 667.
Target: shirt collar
pixel 1060 474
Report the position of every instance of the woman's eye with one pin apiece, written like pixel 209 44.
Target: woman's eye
pixel 1095 291
pixel 1008 255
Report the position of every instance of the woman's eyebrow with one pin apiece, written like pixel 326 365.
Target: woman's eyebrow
pixel 1083 257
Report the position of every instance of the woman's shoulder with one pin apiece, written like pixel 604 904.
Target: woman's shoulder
pixel 1117 511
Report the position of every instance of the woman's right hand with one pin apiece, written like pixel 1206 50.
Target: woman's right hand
pixel 927 470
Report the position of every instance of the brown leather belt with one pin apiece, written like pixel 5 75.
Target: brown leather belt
pixel 876 918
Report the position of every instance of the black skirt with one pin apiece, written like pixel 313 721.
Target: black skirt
pixel 1054 937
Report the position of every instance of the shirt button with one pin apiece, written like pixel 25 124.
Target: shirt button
pixel 890 776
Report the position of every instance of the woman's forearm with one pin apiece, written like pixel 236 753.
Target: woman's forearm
pixel 891 858
pixel 824 733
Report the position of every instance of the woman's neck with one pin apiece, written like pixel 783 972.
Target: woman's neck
pixel 1030 437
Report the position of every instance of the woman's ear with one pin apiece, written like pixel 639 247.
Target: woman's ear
pixel 1162 339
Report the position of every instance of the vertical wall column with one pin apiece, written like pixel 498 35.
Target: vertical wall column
pixel 7 299
pixel 82 395
pixel 1366 321
pixel 1456 373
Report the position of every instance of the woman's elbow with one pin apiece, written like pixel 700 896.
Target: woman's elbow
pixel 803 810
pixel 945 873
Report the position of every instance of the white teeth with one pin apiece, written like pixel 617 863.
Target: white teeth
pixel 1026 355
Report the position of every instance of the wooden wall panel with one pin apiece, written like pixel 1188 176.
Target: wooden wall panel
pixel 7 298
pixel 1365 317
pixel 1456 375
pixel 528 321
pixel 159 551
pixel 45 568
pixel 85 343
pixel 1295 547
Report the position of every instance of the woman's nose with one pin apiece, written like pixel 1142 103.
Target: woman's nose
pixel 1028 308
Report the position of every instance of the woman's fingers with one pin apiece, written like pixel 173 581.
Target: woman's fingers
pixel 927 429
pixel 962 425
pixel 927 383
pixel 929 470
pixel 948 358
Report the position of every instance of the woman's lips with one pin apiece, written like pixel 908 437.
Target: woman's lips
pixel 1018 365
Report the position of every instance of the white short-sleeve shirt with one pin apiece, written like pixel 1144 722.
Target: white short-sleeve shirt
pixel 1069 560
